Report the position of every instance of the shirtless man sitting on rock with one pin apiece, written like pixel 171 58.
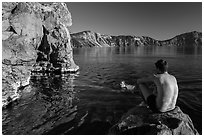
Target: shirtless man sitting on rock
pixel 165 97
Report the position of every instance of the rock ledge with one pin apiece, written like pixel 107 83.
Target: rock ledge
pixel 141 121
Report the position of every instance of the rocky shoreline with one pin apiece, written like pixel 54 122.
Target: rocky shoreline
pixel 35 38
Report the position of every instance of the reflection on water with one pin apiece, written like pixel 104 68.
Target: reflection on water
pixel 140 51
pixel 48 105
pixel 90 102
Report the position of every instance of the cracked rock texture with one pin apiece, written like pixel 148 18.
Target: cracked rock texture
pixel 35 37
pixel 141 121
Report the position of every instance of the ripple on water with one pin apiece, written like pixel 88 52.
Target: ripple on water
pixel 90 102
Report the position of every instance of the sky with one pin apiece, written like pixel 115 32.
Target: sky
pixel 159 20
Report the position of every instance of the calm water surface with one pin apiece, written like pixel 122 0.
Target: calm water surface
pixel 89 102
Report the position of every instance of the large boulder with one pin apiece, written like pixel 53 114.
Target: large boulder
pixel 141 121
pixel 33 33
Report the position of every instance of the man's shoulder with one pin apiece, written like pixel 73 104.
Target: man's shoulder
pixel 172 76
pixel 163 77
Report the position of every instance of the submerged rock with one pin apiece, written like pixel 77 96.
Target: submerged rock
pixel 33 33
pixel 141 121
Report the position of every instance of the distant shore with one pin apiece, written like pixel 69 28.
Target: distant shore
pixel 93 39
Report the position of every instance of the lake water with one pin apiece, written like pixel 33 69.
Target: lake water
pixel 89 102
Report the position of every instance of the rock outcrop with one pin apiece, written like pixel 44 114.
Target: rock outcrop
pixel 141 121
pixel 35 37
pixel 92 39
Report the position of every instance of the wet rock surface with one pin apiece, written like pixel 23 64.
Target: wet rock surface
pixel 33 33
pixel 141 121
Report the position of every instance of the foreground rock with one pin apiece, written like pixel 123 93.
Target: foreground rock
pixel 33 35
pixel 92 39
pixel 141 121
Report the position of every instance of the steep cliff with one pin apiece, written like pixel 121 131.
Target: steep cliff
pixel 35 37
pixel 89 39
pixel 92 39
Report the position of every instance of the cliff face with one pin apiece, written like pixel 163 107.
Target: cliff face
pixel 35 37
pixel 92 39
pixel 89 39
pixel 191 38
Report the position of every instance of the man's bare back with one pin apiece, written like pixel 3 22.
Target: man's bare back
pixel 167 91
pixel 165 97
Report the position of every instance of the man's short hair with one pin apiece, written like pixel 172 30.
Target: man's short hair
pixel 162 65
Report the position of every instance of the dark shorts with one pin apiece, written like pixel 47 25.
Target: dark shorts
pixel 151 102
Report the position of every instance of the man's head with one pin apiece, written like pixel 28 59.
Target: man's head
pixel 161 66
